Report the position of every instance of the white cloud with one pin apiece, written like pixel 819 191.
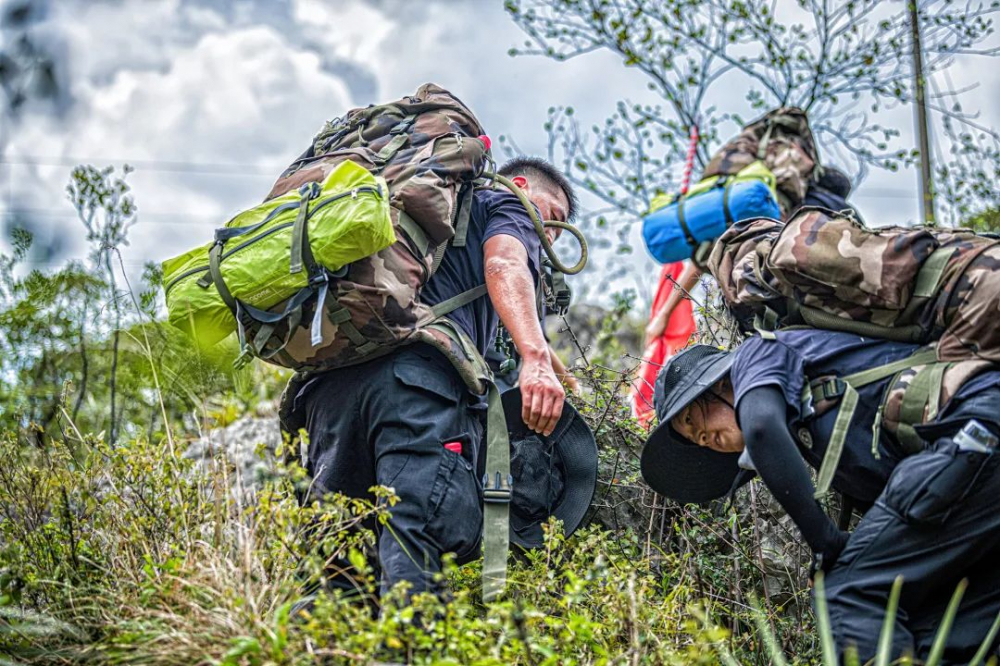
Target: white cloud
pixel 196 82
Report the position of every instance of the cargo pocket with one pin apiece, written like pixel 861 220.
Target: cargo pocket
pixel 455 517
pixel 428 377
pixel 926 488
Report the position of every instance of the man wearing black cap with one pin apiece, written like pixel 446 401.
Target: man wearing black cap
pixel 933 516
pixel 831 190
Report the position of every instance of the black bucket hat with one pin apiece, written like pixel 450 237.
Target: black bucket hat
pixel 554 475
pixel 672 465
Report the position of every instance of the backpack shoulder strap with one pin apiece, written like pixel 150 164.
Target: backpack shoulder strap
pixel 845 388
pixel 920 398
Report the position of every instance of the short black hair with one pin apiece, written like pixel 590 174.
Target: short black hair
pixel 536 167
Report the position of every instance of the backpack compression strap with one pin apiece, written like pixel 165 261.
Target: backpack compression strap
pixel 846 387
pixel 497 492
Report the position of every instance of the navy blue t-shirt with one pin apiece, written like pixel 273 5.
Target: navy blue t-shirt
pixel 796 357
pixel 494 213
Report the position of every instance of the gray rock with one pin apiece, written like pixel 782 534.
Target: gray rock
pixel 247 447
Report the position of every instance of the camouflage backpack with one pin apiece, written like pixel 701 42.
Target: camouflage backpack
pixel 426 148
pixel 936 288
pixel 783 140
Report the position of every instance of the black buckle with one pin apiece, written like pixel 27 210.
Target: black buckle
pixel 499 493
pixel 402 126
pixel 318 278
pixel 832 388
pixel 310 191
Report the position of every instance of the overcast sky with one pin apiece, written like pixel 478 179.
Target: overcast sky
pixel 210 99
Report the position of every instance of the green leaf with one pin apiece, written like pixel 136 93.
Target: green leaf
pixel 884 653
pixel 941 637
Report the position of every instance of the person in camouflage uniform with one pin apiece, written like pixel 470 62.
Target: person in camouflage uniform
pixel 408 421
pixel 931 516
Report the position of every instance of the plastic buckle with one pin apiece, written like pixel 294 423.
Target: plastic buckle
pixel 500 492
pixel 318 278
pixel 309 191
pixel 832 388
pixel 246 355
pixel 401 126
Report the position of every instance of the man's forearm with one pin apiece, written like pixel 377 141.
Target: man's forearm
pixel 512 292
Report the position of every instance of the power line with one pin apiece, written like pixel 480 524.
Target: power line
pixel 167 218
pixel 164 166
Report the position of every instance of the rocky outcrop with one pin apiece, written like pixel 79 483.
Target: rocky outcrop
pixel 246 445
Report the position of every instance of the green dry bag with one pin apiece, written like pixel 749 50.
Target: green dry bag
pixel 261 253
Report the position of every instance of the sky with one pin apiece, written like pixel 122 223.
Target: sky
pixel 210 99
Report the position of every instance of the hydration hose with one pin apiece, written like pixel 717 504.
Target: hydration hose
pixel 540 229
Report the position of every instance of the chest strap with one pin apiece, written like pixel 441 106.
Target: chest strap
pixel 845 388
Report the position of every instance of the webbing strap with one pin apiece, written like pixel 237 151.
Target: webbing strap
pixel 414 232
pixel 268 322
pixel 835 447
pixel 930 273
pixel 455 302
pixel 934 399
pixel 725 201
pixel 438 257
pixel 764 140
pixel 462 217
pixel 865 377
pixel 496 499
pixel 848 403
pixel 215 270
pixel 923 393
pixel 227 233
pixel 300 235
pixel 390 149
pixel 341 317
pixel 688 236
pixel 822 319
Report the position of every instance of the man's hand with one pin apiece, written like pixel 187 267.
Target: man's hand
pixel 542 396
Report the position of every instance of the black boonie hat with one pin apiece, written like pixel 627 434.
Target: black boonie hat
pixel 554 475
pixel 672 465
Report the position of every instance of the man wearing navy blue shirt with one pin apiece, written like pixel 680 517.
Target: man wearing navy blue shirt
pixel 932 517
pixel 407 420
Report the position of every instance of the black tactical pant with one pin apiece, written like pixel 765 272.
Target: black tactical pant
pixel 934 532
pixel 385 422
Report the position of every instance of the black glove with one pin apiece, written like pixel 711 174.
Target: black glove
pixel 826 559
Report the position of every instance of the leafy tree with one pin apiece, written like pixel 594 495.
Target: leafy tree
pixel 78 353
pixel 987 220
pixel 107 210
pixel 842 61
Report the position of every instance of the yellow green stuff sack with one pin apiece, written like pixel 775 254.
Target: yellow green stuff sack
pixel 347 219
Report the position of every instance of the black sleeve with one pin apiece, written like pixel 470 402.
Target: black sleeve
pixel 763 420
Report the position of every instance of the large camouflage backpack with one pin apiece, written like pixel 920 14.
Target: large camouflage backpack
pixel 939 288
pixel 426 148
pixel 783 140
pixel 827 270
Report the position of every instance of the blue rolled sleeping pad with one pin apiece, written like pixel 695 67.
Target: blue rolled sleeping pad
pixel 673 232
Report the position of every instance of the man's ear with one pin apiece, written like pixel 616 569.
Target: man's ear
pixel 520 181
